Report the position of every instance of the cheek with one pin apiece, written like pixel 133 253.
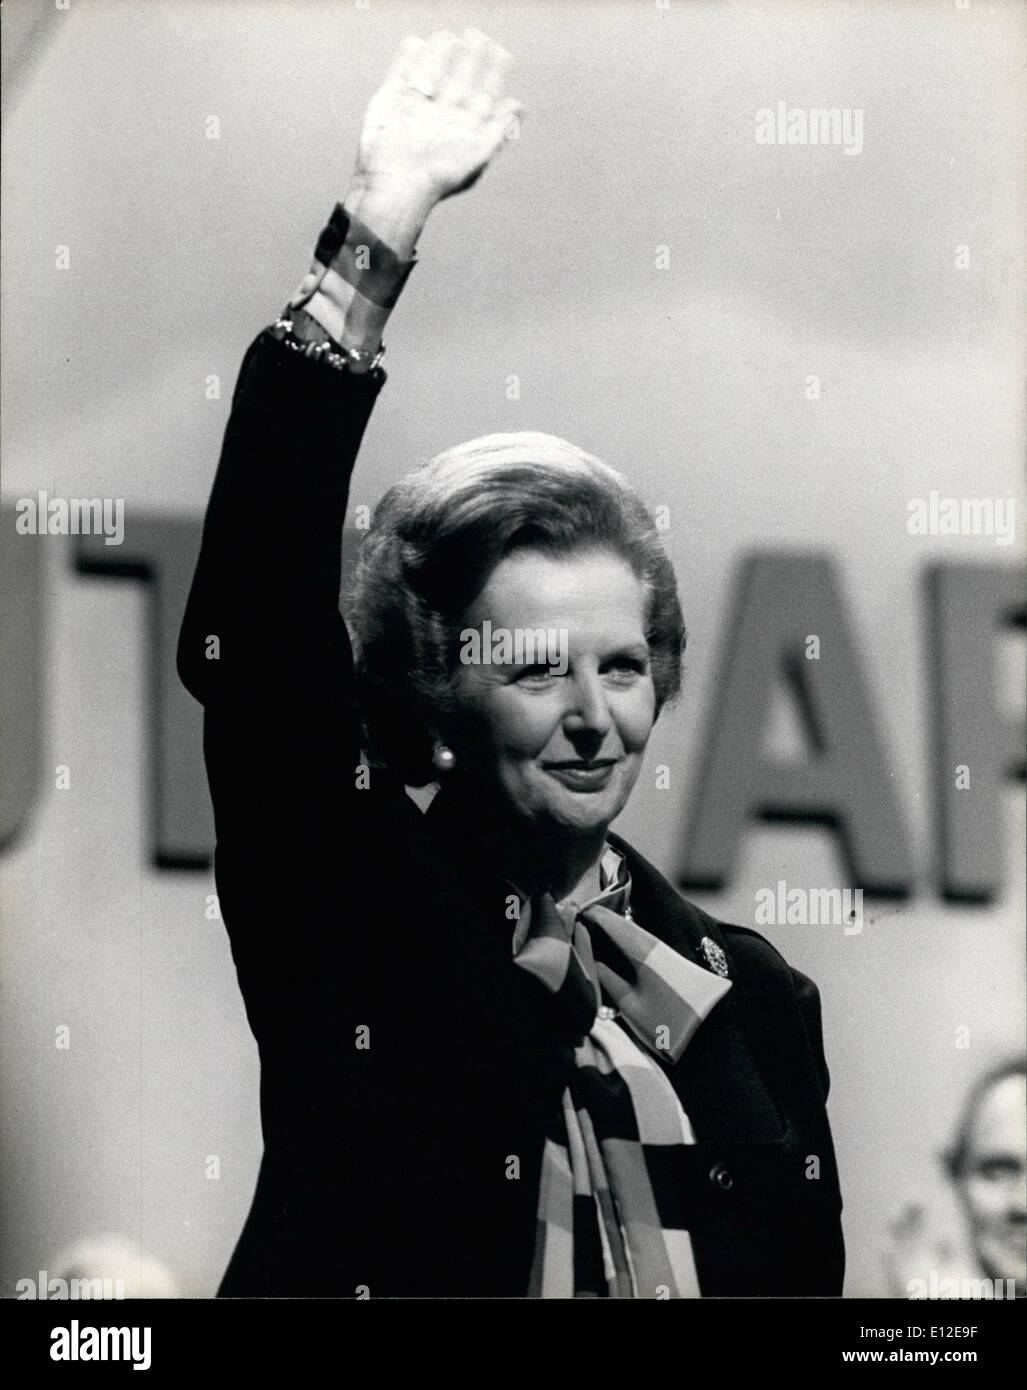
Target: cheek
pixel 982 1198
pixel 509 723
pixel 636 719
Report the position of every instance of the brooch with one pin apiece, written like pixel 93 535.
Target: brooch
pixel 715 957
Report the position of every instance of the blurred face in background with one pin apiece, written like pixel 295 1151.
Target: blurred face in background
pixel 992 1183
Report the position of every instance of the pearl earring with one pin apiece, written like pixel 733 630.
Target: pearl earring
pixel 443 758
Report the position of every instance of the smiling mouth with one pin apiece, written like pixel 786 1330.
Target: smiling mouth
pixel 580 765
pixel 581 775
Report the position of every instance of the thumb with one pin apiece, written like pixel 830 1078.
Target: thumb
pixel 505 124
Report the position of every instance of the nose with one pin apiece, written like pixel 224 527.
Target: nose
pixel 588 713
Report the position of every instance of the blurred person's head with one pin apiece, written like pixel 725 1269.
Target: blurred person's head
pixel 988 1166
pixel 115 1262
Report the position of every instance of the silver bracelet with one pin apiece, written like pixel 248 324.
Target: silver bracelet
pixel 342 359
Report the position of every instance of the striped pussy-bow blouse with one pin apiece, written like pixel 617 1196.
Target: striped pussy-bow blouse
pixel 611 1216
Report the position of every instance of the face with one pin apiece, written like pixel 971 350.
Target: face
pixel 556 742
pixel 994 1185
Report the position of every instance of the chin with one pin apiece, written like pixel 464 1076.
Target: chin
pixel 581 811
pixel 533 803
pixel 1000 1262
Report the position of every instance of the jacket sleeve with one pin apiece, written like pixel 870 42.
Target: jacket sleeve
pixel 826 1237
pixel 785 1015
pixel 809 1006
pixel 263 646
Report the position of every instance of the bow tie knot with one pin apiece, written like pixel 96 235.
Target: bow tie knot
pixel 585 955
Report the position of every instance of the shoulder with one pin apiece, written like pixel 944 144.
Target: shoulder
pixel 760 959
pixel 752 955
pixel 781 1003
pixel 779 991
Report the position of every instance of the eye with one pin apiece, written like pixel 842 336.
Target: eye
pixel 626 667
pixel 996 1169
pixel 538 675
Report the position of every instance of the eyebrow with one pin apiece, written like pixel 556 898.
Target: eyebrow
pixel 639 649
pixel 613 649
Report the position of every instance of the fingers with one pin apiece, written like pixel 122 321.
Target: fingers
pixel 468 69
pixel 496 62
pixel 478 73
pixel 430 66
pixel 400 66
pixel 467 60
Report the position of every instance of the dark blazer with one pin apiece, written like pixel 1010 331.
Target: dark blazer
pixel 406 1062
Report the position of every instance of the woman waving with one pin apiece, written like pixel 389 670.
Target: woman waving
pixel 500 1055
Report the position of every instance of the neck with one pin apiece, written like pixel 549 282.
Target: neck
pixel 565 867
pixel 543 860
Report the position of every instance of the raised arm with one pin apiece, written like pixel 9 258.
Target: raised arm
pixel 262 645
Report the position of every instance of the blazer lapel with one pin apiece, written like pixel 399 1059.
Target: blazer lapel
pixel 718 1078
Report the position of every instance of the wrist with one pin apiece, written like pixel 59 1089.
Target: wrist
pixel 395 209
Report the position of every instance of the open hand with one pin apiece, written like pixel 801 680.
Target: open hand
pixel 438 118
pixel 916 1251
